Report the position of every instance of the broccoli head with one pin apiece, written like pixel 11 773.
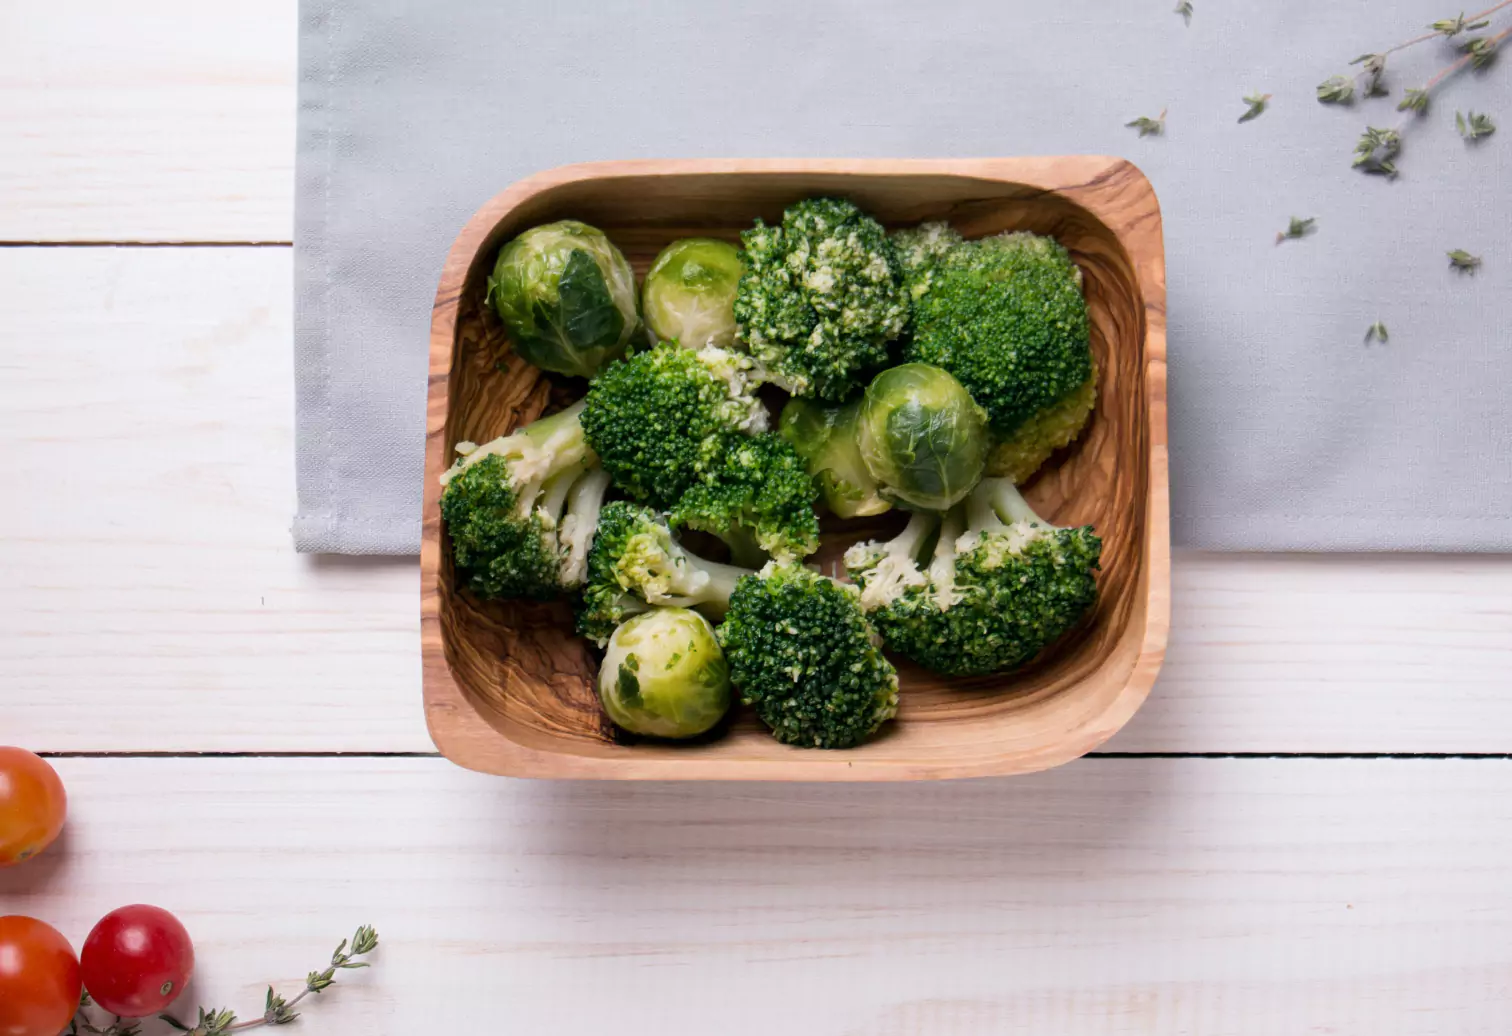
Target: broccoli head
pixel 803 654
pixel 1021 454
pixel 635 564
pixel 661 418
pixel 1006 316
pixel 759 499
pixel 821 296
pixel 998 586
pixel 919 252
pixel 520 510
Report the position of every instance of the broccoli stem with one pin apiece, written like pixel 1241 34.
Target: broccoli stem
pixel 744 550
pixel 535 454
pixel 715 596
pixel 702 584
pixel 942 567
pixel 584 502
pixel 997 503
pixel 896 567
pixel 553 497
pixel 908 542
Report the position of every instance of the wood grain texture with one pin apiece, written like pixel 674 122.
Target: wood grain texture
pixel 509 689
pixel 155 605
pixel 150 597
pixel 1233 897
pixel 157 120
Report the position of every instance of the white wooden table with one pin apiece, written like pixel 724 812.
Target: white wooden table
pixel 1306 829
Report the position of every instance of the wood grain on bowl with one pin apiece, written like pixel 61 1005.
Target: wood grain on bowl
pixel 508 688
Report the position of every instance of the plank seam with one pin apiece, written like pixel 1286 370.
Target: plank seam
pixel 1091 755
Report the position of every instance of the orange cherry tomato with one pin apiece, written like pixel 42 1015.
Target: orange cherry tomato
pixel 32 805
pixel 39 978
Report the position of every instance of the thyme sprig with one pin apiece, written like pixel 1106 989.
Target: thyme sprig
pixel 1184 8
pixel 276 1009
pixel 1370 80
pixel 1377 333
pixel 1377 149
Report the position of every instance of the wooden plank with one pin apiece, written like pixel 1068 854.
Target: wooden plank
pixel 1110 896
pixel 154 603
pixel 157 120
pixel 149 590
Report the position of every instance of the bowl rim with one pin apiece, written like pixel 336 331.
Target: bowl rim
pixel 1093 182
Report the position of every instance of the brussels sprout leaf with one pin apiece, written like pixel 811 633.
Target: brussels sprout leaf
pixel 589 316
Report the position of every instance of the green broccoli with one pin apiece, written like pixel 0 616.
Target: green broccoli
pixel 999 585
pixel 759 499
pixel 821 296
pixel 1021 454
pixel 803 654
pixel 1006 316
pixel 919 252
pixel 635 564
pixel 520 510
pixel 662 418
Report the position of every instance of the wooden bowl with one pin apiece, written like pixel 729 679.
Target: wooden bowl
pixel 509 689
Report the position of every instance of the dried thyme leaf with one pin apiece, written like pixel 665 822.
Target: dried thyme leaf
pixel 1474 126
pixel 1298 227
pixel 1148 127
pixel 1336 90
pixel 1373 74
pixel 1454 26
pixel 1414 101
pixel 1376 151
pixel 1257 103
pixel 1461 260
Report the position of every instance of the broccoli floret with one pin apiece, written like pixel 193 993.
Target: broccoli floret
pixel 759 499
pixel 660 419
pixel 519 510
pixel 999 586
pixel 919 251
pixel 821 296
pixel 1006 316
pixel 635 564
pixel 803 654
pixel 1021 454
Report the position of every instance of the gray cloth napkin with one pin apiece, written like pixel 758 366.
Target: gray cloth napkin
pixel 1288 432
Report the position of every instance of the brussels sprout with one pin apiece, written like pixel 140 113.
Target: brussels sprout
pixel 689 293
pixel 567 296
pixel 825 437
pixel 664 675
pixel 922 436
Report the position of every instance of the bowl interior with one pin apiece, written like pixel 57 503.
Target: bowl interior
pixel 533 681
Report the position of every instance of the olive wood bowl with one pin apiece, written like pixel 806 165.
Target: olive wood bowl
pixel 510 690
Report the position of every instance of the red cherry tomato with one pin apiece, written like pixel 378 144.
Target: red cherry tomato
pixel 39 978
pixel 32 805
pixel 137 960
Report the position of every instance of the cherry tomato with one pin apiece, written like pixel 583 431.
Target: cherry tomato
pixel 32 805
pixel 137 960
pixel 39 978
